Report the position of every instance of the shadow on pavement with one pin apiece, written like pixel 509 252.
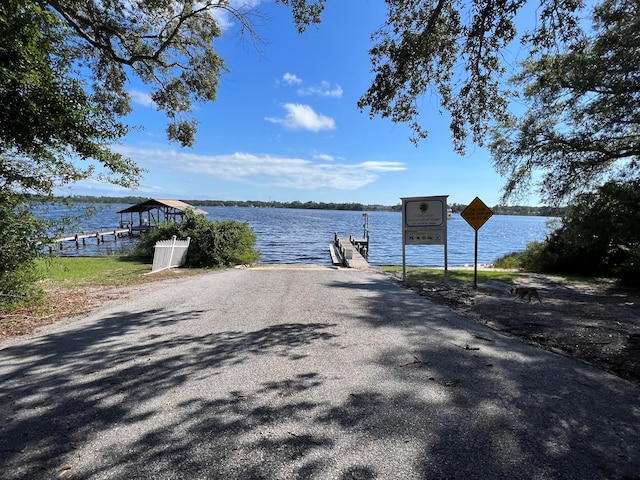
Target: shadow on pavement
pixel 395 387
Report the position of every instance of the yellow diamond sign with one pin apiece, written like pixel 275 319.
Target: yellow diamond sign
pixel 476 213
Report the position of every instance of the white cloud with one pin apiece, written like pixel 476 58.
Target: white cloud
pixel 324 89
pixel 265 169
pixel 141 98
pixel 303 117
pixel 323 156
pixel 291 79
pixel 224 17
pixel 383 166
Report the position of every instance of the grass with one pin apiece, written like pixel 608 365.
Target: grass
pixel 68 272
pixel 465 275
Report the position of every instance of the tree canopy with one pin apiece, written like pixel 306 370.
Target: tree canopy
pixel 581 84
pixel 452 51
pixel 46 113
pixel 64 65
pixel 170 46
pixel 583 124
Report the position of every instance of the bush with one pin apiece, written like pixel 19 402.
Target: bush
pixel 599 236
pixel 628 271
pixel 21 231
pixel 510 260
pixel 538 257
pixel 213 244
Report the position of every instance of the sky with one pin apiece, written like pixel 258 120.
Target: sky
pixel 285 127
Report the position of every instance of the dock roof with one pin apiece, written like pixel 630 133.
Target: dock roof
pixel 155 203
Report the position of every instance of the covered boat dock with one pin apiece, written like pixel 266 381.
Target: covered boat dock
pixel 153 212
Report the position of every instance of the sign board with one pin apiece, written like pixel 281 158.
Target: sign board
pixel 424 212
pixel 424 222
pixel 476 213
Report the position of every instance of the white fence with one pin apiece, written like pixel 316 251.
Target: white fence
pixel 170 253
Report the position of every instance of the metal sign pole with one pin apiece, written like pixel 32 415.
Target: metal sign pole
pixel 476 214
pixel 475 264
pixel 404 262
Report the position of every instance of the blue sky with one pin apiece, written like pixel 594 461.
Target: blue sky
pixel 286 127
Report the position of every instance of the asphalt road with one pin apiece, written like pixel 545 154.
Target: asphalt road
pixel 302 373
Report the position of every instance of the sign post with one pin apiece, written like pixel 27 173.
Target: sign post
pixel 424 222
pixel 476 214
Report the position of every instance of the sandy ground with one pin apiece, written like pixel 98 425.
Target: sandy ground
pixel 599 323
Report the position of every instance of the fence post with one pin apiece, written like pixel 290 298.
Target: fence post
pixel 173 248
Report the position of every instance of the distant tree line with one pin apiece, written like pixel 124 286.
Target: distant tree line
pixel 517 210
pixel 311 205
pixel 106 199
pixel 237 203
pixel 295 204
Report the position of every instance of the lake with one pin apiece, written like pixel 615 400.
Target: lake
pixel 303 236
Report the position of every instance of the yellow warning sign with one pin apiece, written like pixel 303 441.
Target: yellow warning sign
pixel 476 213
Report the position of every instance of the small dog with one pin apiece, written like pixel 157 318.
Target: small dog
pixel 529 292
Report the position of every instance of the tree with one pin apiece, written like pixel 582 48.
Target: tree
pixel 20 234
pixel 453 50
pixel 599 236
pixel 63 69
pixel 583 124
pixel 47 116
pixel 64 66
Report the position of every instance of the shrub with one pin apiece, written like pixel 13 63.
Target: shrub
pixel 21 231
pixel 599 236
pixel 628 270
pixel 538 257
pixel 213 244
pixel 510 260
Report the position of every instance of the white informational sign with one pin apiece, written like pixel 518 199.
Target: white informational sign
pixel 424 222
pixel 424 212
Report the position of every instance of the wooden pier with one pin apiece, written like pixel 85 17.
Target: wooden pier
pixel 81 238
pixel 349 251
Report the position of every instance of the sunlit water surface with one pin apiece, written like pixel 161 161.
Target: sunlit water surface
pixel 303 236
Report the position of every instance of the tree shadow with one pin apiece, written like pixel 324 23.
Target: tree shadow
pixel 66 388
pixel 505 409
pixel 396 387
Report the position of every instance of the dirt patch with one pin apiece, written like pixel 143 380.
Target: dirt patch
pixel 58 304
pixel 63 302
pixel 598 323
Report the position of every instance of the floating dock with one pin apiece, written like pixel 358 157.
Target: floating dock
pixel 349 251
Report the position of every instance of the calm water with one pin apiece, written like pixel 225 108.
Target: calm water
pixel 303 236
